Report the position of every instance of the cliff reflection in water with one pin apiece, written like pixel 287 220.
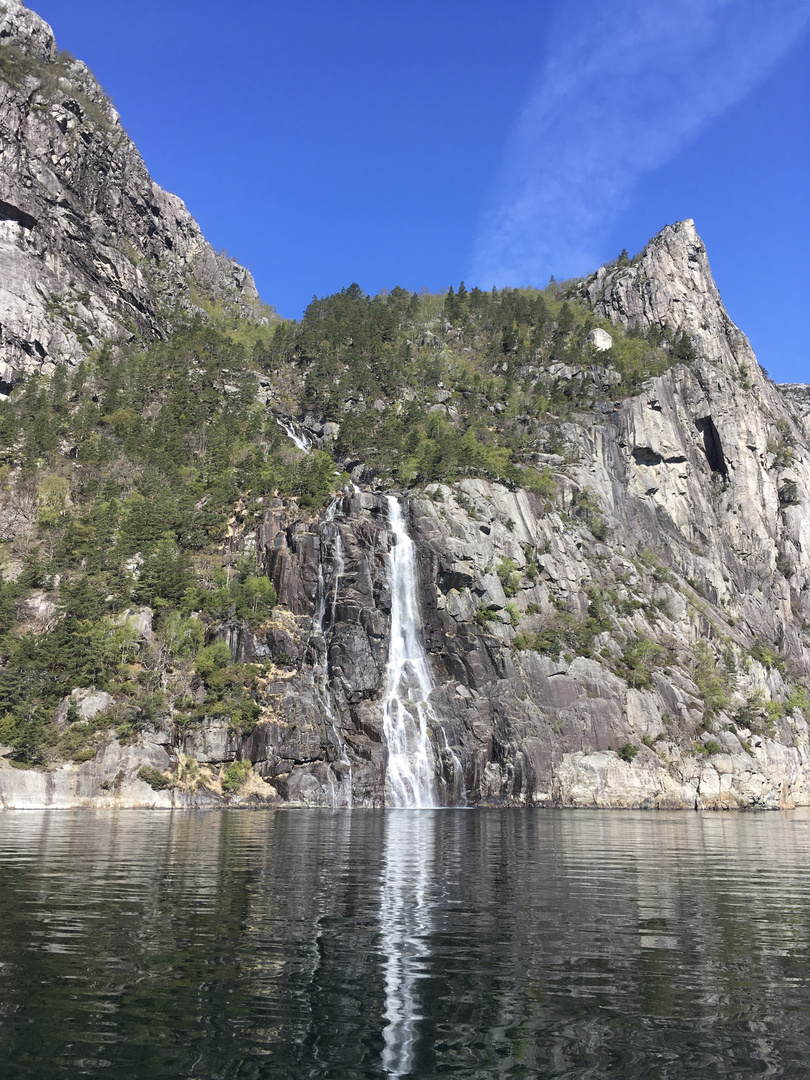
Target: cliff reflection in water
pixel 395 943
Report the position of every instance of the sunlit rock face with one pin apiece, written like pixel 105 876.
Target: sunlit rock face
pixel 634 635
pixel 90 247
pixel 698 540
pixel 600 339
pixel 610 643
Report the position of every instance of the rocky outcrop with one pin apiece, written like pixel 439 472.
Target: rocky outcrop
pixel 670 284
pixel 90 247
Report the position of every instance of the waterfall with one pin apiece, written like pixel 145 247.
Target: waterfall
pixel 298 437
pixel 407 715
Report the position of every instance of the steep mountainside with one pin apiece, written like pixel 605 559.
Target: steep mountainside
pixel 527 547
pixel 90 247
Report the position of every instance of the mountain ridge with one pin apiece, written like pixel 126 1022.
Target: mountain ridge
pixel 91 249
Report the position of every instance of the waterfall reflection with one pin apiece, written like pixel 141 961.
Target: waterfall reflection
pixel 409 857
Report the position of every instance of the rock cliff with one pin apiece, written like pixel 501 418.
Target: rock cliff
pixel 635 638
pixel 90 247
pixel 629 631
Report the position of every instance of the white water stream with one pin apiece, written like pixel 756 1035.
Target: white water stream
pixel 410 779
pixel 298 437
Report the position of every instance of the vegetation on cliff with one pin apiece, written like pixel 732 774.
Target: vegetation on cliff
pixel 122 479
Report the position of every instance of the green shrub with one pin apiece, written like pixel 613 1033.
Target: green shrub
pixel 485 615
pixel 236 776
pixel 797 698
pixel 182 636
pixel 513 613
pixel 212 659
pixel 156 780
pixel 563 633
pixel 768 656
pixel 750 714
pixel 627 751
pixel 639 658
pixel 510 578
pixel 712 684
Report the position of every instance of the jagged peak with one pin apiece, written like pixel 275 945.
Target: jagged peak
pixel 670 283
pixel 22 27
pixel 94 249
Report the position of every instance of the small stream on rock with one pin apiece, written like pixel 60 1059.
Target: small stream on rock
pixel 298 436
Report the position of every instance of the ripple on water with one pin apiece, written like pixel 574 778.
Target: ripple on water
pixel 404 943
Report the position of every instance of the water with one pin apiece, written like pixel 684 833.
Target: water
pixel 407 715
pixel 373 944
pixel 296 434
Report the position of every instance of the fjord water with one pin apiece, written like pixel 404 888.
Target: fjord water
pixel 345 944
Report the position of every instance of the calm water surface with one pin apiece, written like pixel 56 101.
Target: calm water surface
pixel 404 943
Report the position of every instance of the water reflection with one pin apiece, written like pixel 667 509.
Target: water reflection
pixel 405 926
pixel 358 945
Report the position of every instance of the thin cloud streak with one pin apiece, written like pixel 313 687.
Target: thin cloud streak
pixel 624 87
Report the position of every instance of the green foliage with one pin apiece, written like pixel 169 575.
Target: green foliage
pixel 750 714
pixel 156 780
pixel 183 636
pixel 236 776
pixel 627 752
pixel 315 480
pixel 165 575
pixel 137 467
pixel 774 710
pixel 797 698
pixel 513 613
pixel 782 447
pixel 768 656
pixel 711 682
pixel 211 660
pixel 639 659
pixel 510 577
pixel 485 615
pixel 563 633
pixel 585 506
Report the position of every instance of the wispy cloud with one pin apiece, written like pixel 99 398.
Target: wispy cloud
pixel 624 86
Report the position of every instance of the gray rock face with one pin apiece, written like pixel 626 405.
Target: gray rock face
pixel 635 638
pixel 600 339
pixel 671 284
pixel 90 247
pixel 704 551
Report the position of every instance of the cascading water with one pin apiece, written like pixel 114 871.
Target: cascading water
pixel 298 437
pixel 407 716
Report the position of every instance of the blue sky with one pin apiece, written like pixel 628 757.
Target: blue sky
pixel 424 143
